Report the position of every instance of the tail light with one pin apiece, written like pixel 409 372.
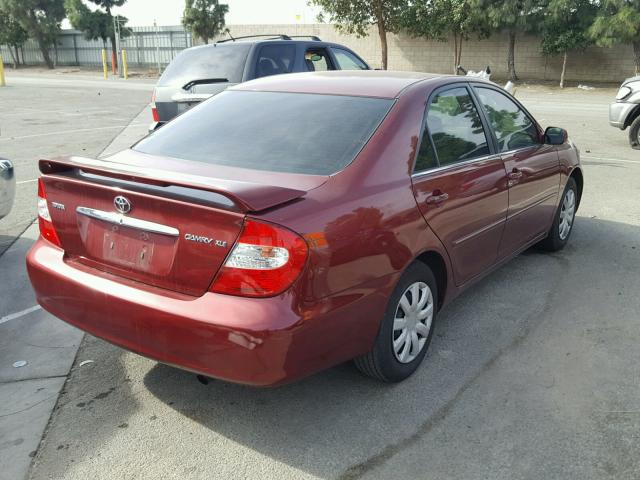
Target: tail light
pixel 264 262
pixel 44 218
pixel 154 110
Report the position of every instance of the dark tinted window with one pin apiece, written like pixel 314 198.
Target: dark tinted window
pixel 284 132
pixel 512 126
pixel 455 127
pixel 426 156
pixel 348 61
pixel 225 61
pixel 275 59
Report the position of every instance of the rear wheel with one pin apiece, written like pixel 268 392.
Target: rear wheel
pixel 634 133
pixel 563 222
pixel 406 329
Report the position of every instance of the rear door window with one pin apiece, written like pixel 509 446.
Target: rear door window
pixel 221 62
pixel 317 60
pixel 275 131
pixel 347 60
pixel 455 128
pixel 275 59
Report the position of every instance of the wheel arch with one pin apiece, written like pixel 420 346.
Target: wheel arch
pixel 438 266
pixel 635 113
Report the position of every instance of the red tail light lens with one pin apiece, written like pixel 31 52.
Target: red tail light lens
pixel 264 262
pixel 44 218
pixel 154 110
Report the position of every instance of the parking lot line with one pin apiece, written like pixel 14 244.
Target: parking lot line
pixel 13 316
pixel 62 132
pixel 605 159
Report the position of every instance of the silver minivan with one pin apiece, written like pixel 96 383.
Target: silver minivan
pixel 625 111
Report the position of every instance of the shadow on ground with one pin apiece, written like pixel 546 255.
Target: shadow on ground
pixel 336 423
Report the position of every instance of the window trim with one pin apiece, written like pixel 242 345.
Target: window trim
pixel 423 127
pixel 474 86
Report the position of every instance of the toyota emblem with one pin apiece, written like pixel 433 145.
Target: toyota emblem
pixel 122 204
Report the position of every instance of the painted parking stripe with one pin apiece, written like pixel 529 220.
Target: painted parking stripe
pixel 13 316
pixel 62 132
pixel 605 159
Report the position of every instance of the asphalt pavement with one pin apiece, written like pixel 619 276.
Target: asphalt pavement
pixel 532 373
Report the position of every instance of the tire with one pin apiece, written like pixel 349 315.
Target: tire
pixel 558 236
pixel 383 361
pixel 634 133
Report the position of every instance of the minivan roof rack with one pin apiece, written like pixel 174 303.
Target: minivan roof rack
pixel 272 36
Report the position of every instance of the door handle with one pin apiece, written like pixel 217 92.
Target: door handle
pixel 513 177
pixel 437 197
pixel 515 174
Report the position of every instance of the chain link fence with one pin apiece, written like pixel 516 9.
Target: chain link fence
pixel 146 47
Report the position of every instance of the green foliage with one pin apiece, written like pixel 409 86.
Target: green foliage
pixel 11 32
pixel 511 15
pixel 566 25
pixel 436 19
pixel 40 19
pixel 356 16
pixel 95 24
pixel 618 22
pixel 204 18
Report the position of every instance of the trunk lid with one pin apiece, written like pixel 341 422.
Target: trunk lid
pixel 171 228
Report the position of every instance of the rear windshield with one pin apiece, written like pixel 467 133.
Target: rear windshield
pixel 213 62
pixel 281 132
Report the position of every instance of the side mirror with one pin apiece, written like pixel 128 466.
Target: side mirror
pixel 555 136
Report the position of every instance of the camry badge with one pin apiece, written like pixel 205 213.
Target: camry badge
pixel 206 240
pixel 122 204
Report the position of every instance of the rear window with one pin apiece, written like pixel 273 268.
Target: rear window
pixel 281 132
pixel 220 61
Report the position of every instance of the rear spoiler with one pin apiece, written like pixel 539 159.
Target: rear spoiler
pixel 248 197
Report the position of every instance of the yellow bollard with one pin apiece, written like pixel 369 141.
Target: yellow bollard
pixel 2 82
pixel 125 68
pixel 104 63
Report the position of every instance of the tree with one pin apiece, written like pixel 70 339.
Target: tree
pixel 619 22
pixel 439 19
pixel 95 24
pixel 40 19
pixel 566 27
pixel 204 18
pixel 514 16
pixel 12 35
pixel 355 17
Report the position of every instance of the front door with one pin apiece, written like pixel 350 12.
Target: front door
pixel 533 170
pixel 460 184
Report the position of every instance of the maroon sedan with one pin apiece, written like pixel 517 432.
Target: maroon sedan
pixel 299 221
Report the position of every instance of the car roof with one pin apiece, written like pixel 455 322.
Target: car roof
pixel 358 83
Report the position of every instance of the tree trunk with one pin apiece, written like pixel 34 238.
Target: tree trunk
pixel 459 53
pixel 511 62
pixel 17 54
pixel 455 53
pixel 383 43
pixel 13 57
pixel 636 56
pixel 564 69
pixel 40 39
pixel 112 39
pixel 206 41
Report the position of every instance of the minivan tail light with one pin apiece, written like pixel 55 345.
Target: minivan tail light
pixel 154 110
pixel 47 230
pixel 264 262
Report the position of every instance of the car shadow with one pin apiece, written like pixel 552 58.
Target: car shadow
pixel 336 422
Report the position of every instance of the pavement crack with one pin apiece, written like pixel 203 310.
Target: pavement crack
pixel 30 406
pixel 31 378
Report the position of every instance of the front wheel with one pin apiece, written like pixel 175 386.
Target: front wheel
pixel 562 226
pixel 634 133
pixel 406 329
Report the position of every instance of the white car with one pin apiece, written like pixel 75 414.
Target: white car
pixel 625 111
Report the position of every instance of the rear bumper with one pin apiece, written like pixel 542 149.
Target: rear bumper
pixel 252 341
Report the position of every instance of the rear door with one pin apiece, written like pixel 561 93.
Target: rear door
pixel 533 169
pixel 459 182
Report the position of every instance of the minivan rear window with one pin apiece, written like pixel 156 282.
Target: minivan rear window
pixel 209 62
pixel 274 131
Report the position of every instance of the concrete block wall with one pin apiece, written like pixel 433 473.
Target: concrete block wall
pixel 407 53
